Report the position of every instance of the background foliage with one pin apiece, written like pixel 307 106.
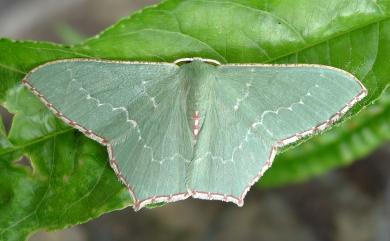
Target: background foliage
pixel 70 181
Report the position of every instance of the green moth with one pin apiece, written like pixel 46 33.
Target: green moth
pixel 194 127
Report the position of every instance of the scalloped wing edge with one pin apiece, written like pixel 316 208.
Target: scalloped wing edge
pixel 239 201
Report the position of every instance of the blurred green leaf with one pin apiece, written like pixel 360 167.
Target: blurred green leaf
pixel 71 181
pixel 69 35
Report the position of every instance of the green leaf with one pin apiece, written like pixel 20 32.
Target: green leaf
pixel 71 181
pixel 68 34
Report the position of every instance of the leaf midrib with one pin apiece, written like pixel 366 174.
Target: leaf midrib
pixel 69 129
pixel 36 141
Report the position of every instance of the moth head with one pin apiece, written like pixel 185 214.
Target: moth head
pixel 196 59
